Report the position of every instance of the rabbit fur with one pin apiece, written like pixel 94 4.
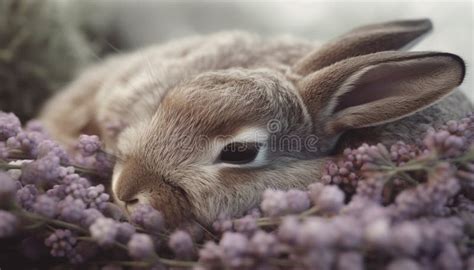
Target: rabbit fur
pixel 167 111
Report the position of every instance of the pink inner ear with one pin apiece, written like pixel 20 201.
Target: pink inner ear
pixel 386 80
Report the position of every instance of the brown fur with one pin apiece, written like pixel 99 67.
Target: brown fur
pixel 182 102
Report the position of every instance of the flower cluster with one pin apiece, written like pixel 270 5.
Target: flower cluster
pixel 379 206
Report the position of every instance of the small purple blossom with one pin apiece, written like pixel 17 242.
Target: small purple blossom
pixel 274 202
pixel 8 224
pixel 181 243
pixel 104 231
pixel 88 145
pixel 330 199
pixel 61 243
pixel 146 216
pixel 45 206
pixel 141 246
pixel 9 125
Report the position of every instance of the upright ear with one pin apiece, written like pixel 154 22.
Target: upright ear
pixel 364 40
pixel 378 88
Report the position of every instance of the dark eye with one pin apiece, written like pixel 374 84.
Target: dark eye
pixel 239 153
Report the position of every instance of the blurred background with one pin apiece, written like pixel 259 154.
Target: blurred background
pixel 92 29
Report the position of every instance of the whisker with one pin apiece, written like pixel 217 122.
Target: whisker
pixel 205 229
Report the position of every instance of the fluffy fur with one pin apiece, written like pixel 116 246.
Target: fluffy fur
pixel 182 102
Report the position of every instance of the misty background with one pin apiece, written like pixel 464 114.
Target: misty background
pixel 44 44
pixel 140 23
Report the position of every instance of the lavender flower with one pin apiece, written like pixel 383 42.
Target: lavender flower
pixel 235 250
pixel 104 231
pixel 90 216
pixel 45 206
pixel 48 147
pixel 350 261
pixel 61 243
pixel 8 224
pixel 146 216
pixel 88 145
pixel 9 125
pixel 264 244
pixel 27 142
pixel 71 210
pixel 46 170
pixel 247 224
pixel 140 246
pixel 407 238
pixel 274 202
pixel 26 196
pixel 181 244
pixel 403 264
pixel 330 199
pixel 96 197
pixel 367 217
pixel 297 201
pixel 125 231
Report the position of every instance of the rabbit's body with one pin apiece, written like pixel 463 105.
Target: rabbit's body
pixel 179 104
pixel 129 87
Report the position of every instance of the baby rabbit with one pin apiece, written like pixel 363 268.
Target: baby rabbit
pixel 202 126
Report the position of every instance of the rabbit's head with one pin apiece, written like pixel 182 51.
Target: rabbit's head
pixel 217 141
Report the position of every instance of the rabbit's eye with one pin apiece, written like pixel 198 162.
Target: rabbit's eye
pixel 239 153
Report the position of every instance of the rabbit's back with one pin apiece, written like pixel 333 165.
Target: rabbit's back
pixel 128 87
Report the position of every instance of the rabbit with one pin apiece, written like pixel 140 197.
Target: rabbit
pixel 203 125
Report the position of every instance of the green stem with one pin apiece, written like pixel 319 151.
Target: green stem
pixel 56 222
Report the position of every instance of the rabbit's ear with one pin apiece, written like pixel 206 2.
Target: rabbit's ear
pixel 378 88
pixel 364 40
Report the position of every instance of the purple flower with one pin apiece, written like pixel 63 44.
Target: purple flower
pixel 407 238
pixel 90 216
pixel 104 231
pixel 140 246
pixel 316 232
pixel 88 145
pixel 96 197
pixel 235 249
pixel 404 264
pixel 377 233
pixel 71 210
pixel 210 256
pixel 274 202
pixel 330 199
pixel 48 147
pixel 298 201
pixel 247 224
pixel 449 258
pixel 45 206
pixel 9 125
pixel 26 196
pixel 27 142
pixel 181 244
pixel 46 170
pixel 350 260
pixel 8 224
pixel 264 244
pixel 61 243
pixel 288 230
pixel 125 231
pixel 146 216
